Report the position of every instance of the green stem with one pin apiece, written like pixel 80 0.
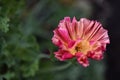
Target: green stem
pixel 56 68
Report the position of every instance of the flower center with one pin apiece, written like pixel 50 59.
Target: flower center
pixel 83 47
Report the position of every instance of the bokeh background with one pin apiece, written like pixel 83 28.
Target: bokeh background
pixel 26 29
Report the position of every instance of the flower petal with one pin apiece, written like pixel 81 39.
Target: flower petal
pixel 63 55
pixel 92 29
pixel 74 26
pixel 82 59
pixel 62 36
pixel 102 36
pixel 56 41
pixel 81 27
pixel 96 54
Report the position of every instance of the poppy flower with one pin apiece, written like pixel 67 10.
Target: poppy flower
pixel 81 39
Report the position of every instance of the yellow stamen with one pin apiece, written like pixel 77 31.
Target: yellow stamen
pixel 83 47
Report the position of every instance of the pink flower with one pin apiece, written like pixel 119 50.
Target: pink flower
pixel 81 39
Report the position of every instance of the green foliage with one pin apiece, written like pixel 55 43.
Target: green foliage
pixel 26 51
pixel 4 26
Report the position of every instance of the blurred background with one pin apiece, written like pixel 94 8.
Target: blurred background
pixel 26 29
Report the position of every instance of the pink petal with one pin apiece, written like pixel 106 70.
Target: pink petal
pixel 74 27
pixel 66 25
pixel 103 38
pixel 72 44
pixel 96 54
pixel 81 27
pixel 67 19
pixel 92 29
pixel 69 29
pixel 82 59
pixel 62 34
pixel 56 41
pixel 86 24
pixel 96 32
pixel 63 55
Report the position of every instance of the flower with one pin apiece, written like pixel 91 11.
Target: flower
pixel 80 39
